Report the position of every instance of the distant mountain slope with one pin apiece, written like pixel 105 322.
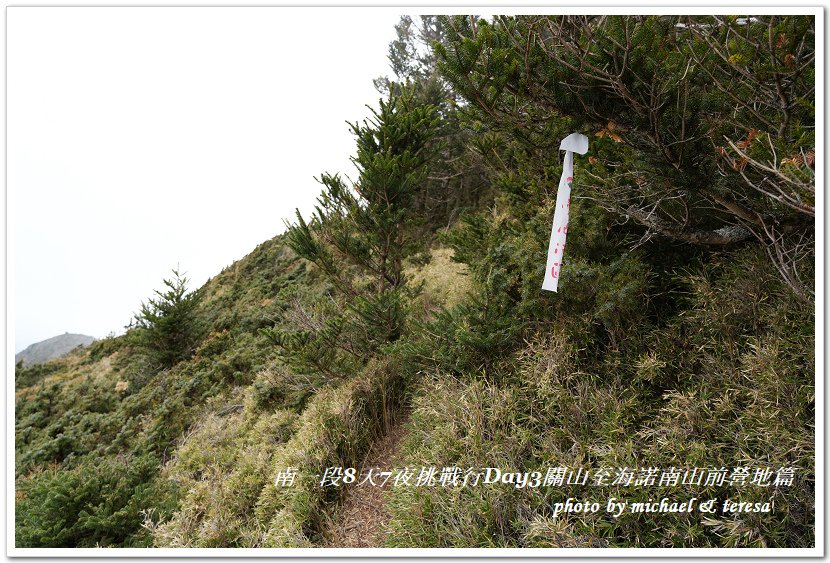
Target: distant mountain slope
pixel 52 348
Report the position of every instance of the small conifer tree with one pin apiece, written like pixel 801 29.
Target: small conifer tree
pixel 166 325
pixel 360 234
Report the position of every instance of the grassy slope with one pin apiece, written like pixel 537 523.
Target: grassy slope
pixel 186 457
pixel 74 421
pixel 728 380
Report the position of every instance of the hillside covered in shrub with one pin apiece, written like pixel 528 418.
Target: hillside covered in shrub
pixel 682 334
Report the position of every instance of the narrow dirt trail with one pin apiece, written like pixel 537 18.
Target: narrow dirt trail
pixel 360 520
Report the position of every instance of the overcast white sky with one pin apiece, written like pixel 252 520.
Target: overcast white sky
pixel 143 138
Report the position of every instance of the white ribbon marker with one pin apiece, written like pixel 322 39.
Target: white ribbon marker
pixel 575 142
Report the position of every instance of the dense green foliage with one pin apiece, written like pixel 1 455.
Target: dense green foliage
pixel 703 126
pixel 28 376
pixel 682 335
pixel 165 325
pixel 359 237
pixel 95 504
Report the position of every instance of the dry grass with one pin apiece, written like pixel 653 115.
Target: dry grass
pixel 445 282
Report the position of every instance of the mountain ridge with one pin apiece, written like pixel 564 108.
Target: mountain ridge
pixel 52 348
